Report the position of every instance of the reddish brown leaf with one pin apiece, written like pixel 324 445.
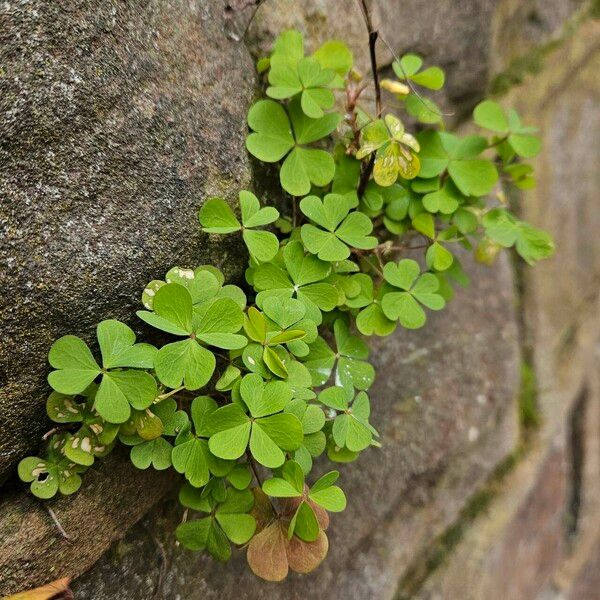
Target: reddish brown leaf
pixel 289 506
pixel 304 557
pixel 267 553
pixel 263 509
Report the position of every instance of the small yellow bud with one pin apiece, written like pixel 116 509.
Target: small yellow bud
pixel 395 87
pixel 487 251
pixel 355 75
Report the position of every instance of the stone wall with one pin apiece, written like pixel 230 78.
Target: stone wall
pixel 120 117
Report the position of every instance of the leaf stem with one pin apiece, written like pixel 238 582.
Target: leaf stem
pixel 498 141
pixel 171 393
pixel 252 464
pixel 373 35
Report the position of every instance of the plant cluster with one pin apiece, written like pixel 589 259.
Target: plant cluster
pixel 254 384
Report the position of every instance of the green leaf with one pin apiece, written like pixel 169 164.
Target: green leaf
pixel 216 216
pixel 240 477
pixel 304 524
pixel 231 431
pixel 334 55
pixel 320 361
pixel 446 200
pixel 285 312
pixel 423 109
pixel 417 289
pixel 190 458
pixel 304 166
pixel 490 115
pixel 173 420
pixel 432 78
pixel 155 452
pixel 372 321
pixel 239 528
pixel 349 432
pixel 272 138
pixel 340 229
pixel 475 177
pixel 272 434
pixel 217 323
pixel 255 325
pixel 193 535
pixel 62 408
pixel 120 390
pixel 334 397
pixel 252 213
pixel 332 499
pixel 184 362
pixel 118 347
pixel 172 310
pixel 228 378
pixel 80 447
pixel 42 475
pixel 264 398
pixel 352 369
pixel 438 257
pixel 274 362
pixel 289 485
pixel 76 367
pixel 408 65
pixel 526 146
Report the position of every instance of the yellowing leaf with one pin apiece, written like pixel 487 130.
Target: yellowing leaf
pixel 52 591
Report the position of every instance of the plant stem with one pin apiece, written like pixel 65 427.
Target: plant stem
pixel 252 464
pixel 373 35
pixel 171 393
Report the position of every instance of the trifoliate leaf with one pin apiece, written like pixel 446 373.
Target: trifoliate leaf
pixel 275 135
pixel 302 278
pixel 216 216
pixel 267 433
pixel 118 390
pixel 417 289
pixel 186 363
pixel 408 67
pixel 352 369
pixel 155 452
pixel 337 230
pixel 441 151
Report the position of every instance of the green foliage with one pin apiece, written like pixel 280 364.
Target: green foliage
pixel 283 372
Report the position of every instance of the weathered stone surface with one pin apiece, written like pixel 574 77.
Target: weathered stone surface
pixel 517 543
pixel 112 498
pixel 539 537
pixel 116 120
pixel 562 295
pixel 443 402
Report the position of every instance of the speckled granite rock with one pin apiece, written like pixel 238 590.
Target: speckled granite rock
pixel 117 118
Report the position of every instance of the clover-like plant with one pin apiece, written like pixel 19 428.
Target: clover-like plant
pixel 249 388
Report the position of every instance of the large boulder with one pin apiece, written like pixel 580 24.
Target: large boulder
pixel 117 120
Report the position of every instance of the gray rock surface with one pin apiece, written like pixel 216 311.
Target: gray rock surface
pixel 112 498
pixel 443 402
pixel 117 119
